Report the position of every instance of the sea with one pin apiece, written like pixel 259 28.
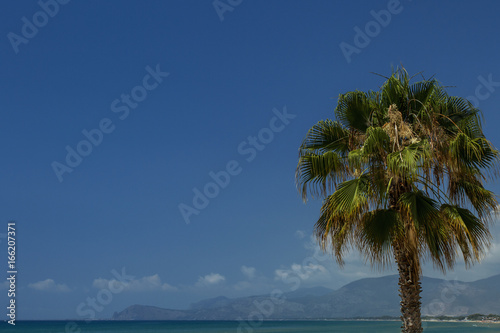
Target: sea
pixel 237 327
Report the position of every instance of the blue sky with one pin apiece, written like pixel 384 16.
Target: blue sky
pixel 245 82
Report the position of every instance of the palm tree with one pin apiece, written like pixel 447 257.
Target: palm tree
pixel 405 167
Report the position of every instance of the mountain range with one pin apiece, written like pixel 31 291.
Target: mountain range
pixel 365 298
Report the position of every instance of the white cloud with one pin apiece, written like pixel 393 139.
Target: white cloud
pixel 249 272
pixel 146 283
pixel 493 255
pixel 243 285
pixel 320 268
pixel 49 285
pixel 301 271
pixel 210 279
pixel 300 234
pixel 101 283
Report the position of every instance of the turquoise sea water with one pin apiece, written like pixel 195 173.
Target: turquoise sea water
pixel 236 327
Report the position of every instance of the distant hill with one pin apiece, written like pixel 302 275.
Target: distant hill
pixel 372 297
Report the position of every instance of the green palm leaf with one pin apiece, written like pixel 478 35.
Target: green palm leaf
pixel 318 172
pixel 350 200
pixel 377 142
pixel 327 135
pixel 471 234
pixel 354 110
pixel 379 229
pixel 410 161
pixel 471 190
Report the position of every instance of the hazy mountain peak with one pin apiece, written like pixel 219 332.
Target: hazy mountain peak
pixel 368 297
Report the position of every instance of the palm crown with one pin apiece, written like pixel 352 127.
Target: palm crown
pixel 405 167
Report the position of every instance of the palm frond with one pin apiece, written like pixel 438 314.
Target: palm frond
pixel 472 153
pixel 377 142
pixel 319 172
pixel 326 135
pixel 420 93
pixel 424 215
pixel 469 189
pixel 409 162
pixel 354 110
pixel 351 198
pixel 470 233
pixel 333 231
pixel 379 229
pixel 418 208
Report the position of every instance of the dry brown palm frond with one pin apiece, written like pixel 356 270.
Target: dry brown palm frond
pixel 399 131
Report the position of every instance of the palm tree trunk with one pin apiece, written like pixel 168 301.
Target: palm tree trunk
pixel 409 291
